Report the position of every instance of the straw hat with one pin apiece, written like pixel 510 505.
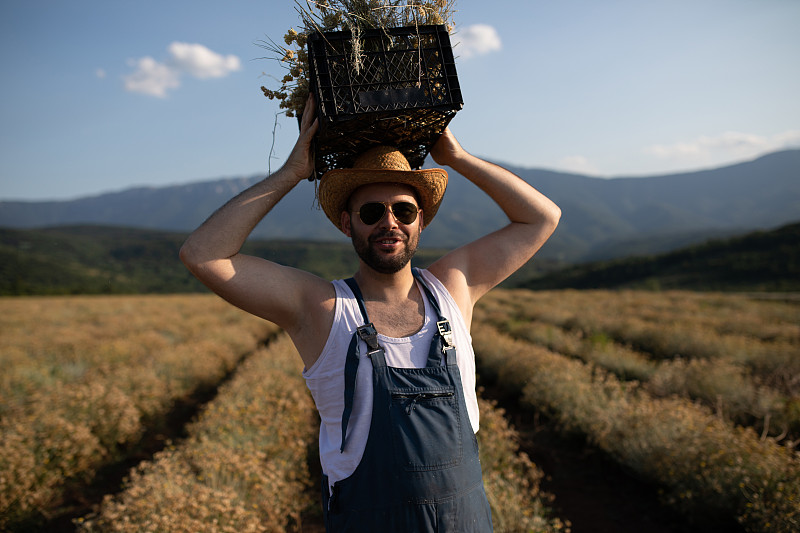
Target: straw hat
pixel 381 164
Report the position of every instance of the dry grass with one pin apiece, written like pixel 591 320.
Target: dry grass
pixel 732 353
pixel 706 466
pixel 83 377
pixel 244 466
pixel 652 383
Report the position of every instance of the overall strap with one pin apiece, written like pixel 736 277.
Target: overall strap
pixel 369 335
pixel 443 348
pixel 351 282
pixel 367 332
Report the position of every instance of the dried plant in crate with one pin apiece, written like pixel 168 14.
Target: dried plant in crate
pixel 354 16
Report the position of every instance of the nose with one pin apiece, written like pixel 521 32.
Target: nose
pixel 388 220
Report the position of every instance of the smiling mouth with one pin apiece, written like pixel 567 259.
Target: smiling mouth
pixel 385 241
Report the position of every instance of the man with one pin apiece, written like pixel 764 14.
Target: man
pixel 388 356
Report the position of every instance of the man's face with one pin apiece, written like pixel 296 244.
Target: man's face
pixel 387 245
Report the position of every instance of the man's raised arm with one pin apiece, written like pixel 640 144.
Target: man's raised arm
pixel 212 252
pixel 471 271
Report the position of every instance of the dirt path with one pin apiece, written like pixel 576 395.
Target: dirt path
pixel 595 493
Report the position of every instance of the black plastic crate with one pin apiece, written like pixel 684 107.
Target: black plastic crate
pixel 404 92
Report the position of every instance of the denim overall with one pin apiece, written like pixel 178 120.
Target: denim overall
pixel 420 471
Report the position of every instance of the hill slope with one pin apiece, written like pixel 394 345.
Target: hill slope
pixel 104 260
pixel 759 261
pixel 117 260
pixel 602 218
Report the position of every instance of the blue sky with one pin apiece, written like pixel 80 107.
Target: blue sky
pixel 102 95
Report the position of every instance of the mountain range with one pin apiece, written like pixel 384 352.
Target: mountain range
pixel 602 218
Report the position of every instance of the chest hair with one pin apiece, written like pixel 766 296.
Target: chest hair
pixel 395 320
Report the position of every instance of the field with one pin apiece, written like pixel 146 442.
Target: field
pixel 89 381
pixel 698 394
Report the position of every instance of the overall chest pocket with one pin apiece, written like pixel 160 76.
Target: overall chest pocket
pixel 426 428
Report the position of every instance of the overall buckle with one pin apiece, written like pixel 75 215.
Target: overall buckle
pixel 446 332
pixel 369 334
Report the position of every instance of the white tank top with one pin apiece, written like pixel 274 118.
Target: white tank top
pixel 325 379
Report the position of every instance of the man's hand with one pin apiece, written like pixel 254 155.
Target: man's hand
pixel 300 162
pixel 446 151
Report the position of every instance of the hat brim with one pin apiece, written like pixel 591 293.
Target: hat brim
pixel 337 185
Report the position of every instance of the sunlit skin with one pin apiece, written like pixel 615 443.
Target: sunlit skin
pixel 388 245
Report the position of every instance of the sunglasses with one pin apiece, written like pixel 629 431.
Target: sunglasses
pixel 371 212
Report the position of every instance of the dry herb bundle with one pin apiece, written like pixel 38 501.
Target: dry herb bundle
pixel 354 16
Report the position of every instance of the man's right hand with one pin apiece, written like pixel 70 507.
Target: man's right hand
pixel 300 162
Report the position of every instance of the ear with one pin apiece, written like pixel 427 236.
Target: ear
pixel 345 223
pixel 421 219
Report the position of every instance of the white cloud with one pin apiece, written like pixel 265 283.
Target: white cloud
pixel 100 73
pixel 152 77
pixel 200 62
pixel 726 146
pixel 155 78
pixel 476 40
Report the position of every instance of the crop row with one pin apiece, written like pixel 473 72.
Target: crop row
pixel 84 378
pixel 243 467
pixel 705 466
pixel 731 353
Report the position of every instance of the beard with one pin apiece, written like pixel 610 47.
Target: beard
pixel 380 262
